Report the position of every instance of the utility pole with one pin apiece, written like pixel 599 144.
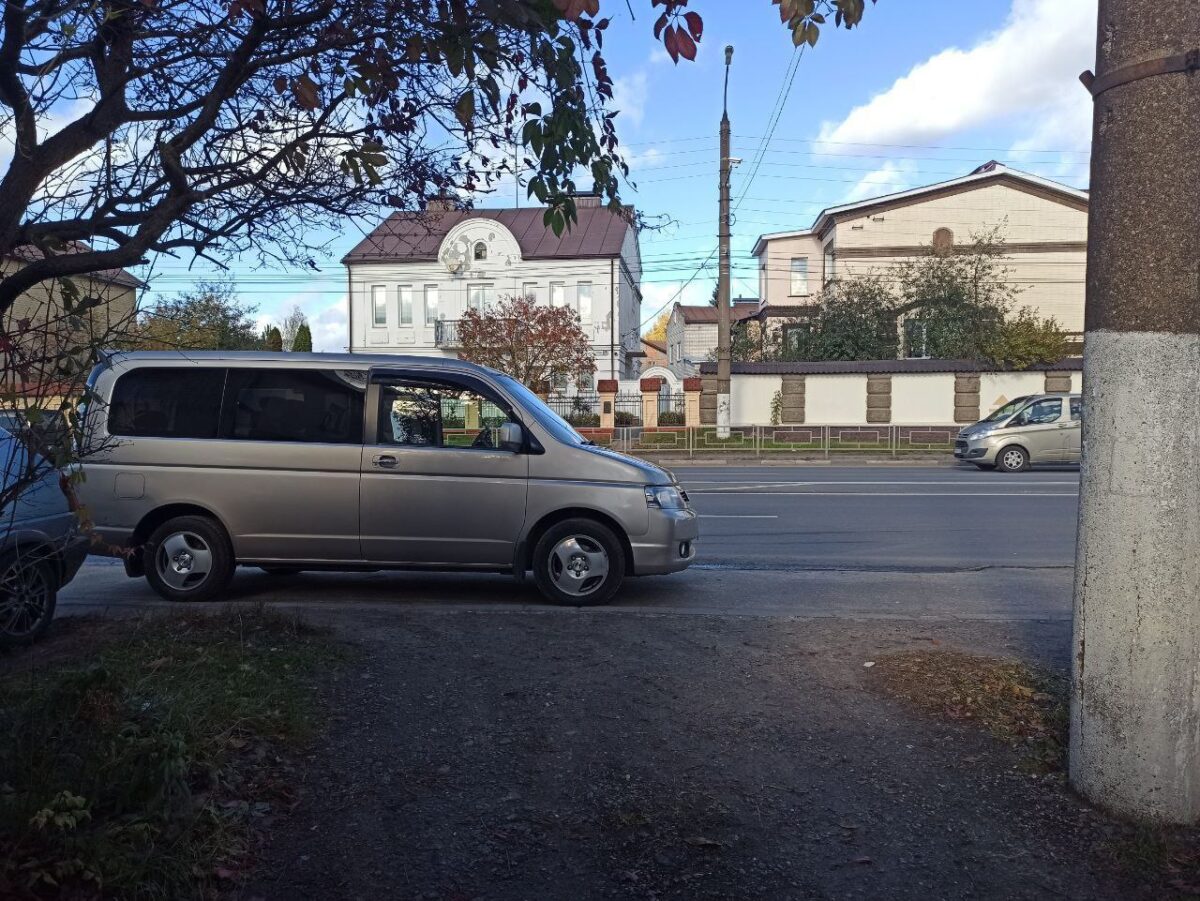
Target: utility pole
pixel 723 354
pixel 1135 706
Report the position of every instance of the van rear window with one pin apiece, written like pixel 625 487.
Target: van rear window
pixel 167 402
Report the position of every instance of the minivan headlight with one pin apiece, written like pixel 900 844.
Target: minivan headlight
pixel 665 497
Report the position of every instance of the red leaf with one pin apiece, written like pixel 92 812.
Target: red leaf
pixel 687 47
pixel 660 25
pixel 671 42
pixel 695 25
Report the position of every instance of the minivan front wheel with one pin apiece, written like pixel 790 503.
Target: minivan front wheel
pixel 1013 459
pixel 28 590
pixel 189 559
pixel 579 562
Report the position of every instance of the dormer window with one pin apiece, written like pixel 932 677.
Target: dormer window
pixel 480 251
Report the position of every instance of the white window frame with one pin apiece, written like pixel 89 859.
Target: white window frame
pixel 583 290
pixel 405 301
pixel 530 289
pixel 486 298
pixel 798 273
pixel 379 316
pixel 561 289
pixel 431 309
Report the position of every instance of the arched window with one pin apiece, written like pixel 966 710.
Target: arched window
pixel 481 251
pixel 943 241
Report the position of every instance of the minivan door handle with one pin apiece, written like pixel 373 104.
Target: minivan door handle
pixel 385 461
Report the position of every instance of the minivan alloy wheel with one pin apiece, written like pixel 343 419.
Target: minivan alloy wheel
pixel 184 561
pixel 578 565
pixel 26 596
pixel 1013 459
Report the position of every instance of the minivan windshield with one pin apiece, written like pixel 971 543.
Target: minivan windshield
pixel 547 418
pixel 1007 410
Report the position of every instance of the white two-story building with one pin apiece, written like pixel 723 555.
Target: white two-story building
pixel 413 277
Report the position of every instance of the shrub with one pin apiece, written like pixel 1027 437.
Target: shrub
pixel 584 420
pixel 670 418
pixel 624 420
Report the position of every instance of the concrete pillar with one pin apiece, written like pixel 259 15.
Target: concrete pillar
pixel 607 389
pixel 650 389
pixel 966 399
pixel 1135 707
pixel 879 398
pixel 793 393
pixel 691 402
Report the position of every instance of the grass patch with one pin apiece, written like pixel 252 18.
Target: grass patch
pixel 1016 703
pixel 143 766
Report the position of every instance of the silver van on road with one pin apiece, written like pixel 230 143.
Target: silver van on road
pixel 203 461
pixel 1039 428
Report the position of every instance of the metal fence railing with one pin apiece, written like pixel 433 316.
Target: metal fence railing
pixel 628 410
pixel 824 441
pixel 581 410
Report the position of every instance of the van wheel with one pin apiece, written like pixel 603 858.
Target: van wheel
pixel 579 562
pixel 1013 459
pixel 189 559
pixel 28 591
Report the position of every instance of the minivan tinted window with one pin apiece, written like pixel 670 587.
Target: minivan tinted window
pixel 167 402
pixel 305 405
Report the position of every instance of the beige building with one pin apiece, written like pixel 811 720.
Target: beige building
pixel 38 321
pixel 1043 223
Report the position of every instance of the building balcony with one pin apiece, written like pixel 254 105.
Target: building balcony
pixel 445 333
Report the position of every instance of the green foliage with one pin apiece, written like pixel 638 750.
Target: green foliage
pixel 623 419
pixel 670 418
pixel 302 343
pixel 209 317
pixel 777 407
pixel 854 320
pixel 272 340
pixel 139 771
pixel 1026 340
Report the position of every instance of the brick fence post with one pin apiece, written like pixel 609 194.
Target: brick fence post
pixel 1058 383
pixel 879 398
pixel 691 401
pixel 607 389
pixel 650 389
pixel 792 391
pixel 708 400
pixel 966 398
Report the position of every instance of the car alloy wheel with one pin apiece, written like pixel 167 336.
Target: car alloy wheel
pixel 1013 459
pixel 184 561
pixel 26 598
pixel 578 566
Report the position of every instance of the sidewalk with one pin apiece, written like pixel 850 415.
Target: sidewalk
pixel 515 754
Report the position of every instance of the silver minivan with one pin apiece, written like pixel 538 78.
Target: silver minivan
pixel 199 462
pixel 1038 428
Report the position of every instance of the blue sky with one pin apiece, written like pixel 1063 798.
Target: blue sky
pixel 923 91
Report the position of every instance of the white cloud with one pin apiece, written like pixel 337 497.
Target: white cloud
pixel 1026 71
pixel 629 96
pixel 887 179
pixel 327 318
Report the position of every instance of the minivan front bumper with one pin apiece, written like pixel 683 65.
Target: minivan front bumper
pixel 669 545
pixel 977 450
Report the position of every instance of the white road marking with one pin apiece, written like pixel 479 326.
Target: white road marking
pixel 740 486
pixel 738 516
pixel 900 493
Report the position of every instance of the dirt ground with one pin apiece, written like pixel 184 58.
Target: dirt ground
pixel 608 754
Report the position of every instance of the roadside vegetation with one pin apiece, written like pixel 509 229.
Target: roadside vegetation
pixel 146 764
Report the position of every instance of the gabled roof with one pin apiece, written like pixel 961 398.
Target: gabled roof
pixel 699 315
pixel 27 253
pixel 417 237
pixel 988 172
pixel 660 346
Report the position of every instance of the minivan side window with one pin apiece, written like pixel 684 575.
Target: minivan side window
pixel 166 402
pixel 312 406
pixel 1041 413
pixel 1076 408
pixel 421 412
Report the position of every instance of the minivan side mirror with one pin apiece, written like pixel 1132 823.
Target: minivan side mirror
pixel 512 437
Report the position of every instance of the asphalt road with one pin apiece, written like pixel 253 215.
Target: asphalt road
pixel 905 542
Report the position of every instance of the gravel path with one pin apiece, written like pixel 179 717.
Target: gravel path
pixel 597 754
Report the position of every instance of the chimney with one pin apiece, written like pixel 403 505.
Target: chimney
pixel 586 198
pixel 442 203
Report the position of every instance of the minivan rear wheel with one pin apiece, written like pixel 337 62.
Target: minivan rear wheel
pixel 189 558
pixel 579 562
pixel 1012 459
